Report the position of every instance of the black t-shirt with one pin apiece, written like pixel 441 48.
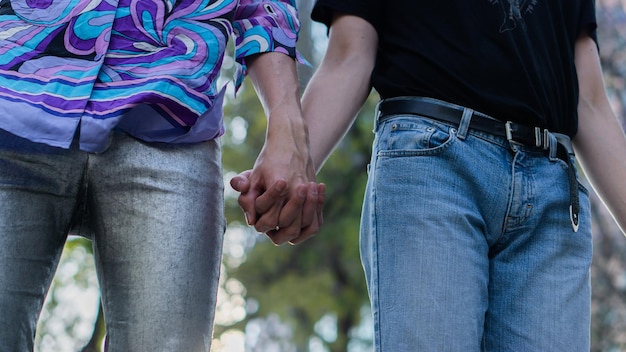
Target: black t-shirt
pixel 511 59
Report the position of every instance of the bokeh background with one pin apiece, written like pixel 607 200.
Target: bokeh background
pixel 312 297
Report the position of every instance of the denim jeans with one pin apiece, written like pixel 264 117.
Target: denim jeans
pixel 155 215
pixel 467 244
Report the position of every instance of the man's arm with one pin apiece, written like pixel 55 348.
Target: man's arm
pixel 340 85
pixel 600 143
pixel 283 168
pixel 330 104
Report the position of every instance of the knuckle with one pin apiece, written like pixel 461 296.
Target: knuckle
pixel 310 232
pixel 260 227
pixel 292 234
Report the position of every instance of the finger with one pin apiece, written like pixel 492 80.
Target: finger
pixel 268 205
pixel 321 199
pixel 269 219
pixel 290 218
pixel 272 235
pixel 247 204
pixel 311 230
pixel 241 182
pixel 291 213
pixel 283 235
pixel 273 195
pixel 309 209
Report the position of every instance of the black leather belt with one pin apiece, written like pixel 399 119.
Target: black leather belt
pixel 528 136
pixel 513 132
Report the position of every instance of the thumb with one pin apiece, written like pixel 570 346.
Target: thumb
pixel 241 182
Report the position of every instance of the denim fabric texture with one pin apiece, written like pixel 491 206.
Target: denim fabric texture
pixel 155 215
pixel 467 245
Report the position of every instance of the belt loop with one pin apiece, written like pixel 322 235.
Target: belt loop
pixel 465 122
pixel 377 115
pixel 551 146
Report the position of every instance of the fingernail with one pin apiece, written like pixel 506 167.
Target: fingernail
pixel 247 219
pixel 302 192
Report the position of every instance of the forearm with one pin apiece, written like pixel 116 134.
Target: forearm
pixel 280 196
pixel 340 85
pixel 600 143
pixel 330 104
pixel 275 80
pixel 601 146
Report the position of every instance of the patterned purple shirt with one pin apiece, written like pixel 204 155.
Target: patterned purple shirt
pixel 147 67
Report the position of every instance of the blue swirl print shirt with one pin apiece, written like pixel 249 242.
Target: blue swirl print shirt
pixel 147 67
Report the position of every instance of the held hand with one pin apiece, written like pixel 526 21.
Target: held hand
pixel 282 183
pixel 297 214
pixel 300 217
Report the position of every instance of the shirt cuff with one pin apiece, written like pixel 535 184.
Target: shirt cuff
pixel 265 27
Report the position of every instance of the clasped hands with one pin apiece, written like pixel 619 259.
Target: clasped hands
pixel 286 211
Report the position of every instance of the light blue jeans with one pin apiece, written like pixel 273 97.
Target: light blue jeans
pixel 467 245
pixel 155 215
